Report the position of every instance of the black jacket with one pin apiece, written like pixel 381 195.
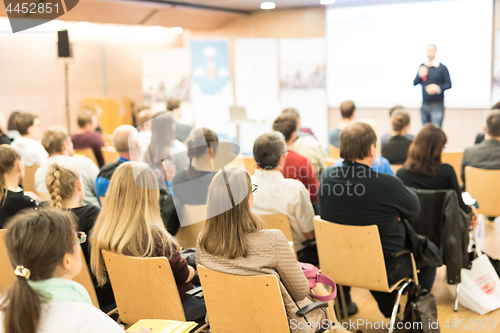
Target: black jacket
pixel 447 226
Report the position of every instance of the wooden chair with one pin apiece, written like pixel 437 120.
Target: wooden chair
pixel 329 162
pixel 109 154
pixel 29 178
pixel 7 276
pixel 484 186
pixel 281 222
pixel 144 288
pixel 108 139
pixel 87 152
pixel 454 158
pixel 334 152
pixel 250 304
pixel 250 164
pixel 192 224
pixel 396 167
pixel 352 256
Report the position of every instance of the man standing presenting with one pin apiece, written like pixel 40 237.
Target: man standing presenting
pixel 435 79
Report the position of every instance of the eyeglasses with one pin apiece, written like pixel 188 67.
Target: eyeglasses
pixel 254 188
pixel 82 237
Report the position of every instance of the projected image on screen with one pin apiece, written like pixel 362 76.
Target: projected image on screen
pixel 374 52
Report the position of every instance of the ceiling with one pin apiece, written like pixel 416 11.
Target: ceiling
pixel 189 14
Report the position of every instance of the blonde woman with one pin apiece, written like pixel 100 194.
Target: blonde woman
pixel 235 242
pixel 67 191
pixel 130 224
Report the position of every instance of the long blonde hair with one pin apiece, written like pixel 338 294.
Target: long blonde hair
pixel 61 182
pixel 230 218
pixel 8 158
pixel 130 222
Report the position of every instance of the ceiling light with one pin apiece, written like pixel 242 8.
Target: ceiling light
pixel 177 30
pixel 268 5
pixel 157 28
pixel 327 2
pixel 84 24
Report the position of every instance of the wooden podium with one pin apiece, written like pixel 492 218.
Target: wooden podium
pixel 112 112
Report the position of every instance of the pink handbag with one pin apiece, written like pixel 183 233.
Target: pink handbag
pixel 314 276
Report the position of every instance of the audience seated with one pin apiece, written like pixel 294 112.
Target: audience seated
pixel 143 119
pixel 480 136
pixel 164 146
pixel 347 110
pixel 278 195
pixel 235 242
pixel 190 186
pixel 423 168
pixel 44 250
pixel 4 138
pixel 127 144
pixel 11 176
pixel 301 131
pixel 307 145
pixel 380 164
pixel 130 224
pixel 67 191
pixel 387 136
pixel 60 148
pixel 181 130
pixel 12 131
pixel 27 144
pixel 395 149
pixel 86 135
pixel 296 166
pixel 354 194
pixel 485 155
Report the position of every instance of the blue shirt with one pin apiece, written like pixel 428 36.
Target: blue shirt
pixel 380 165
pixel 334 137
pixel 103 180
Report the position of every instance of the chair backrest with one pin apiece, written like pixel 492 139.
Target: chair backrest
pixel 351 255
pixel 85 279
pixel 108 139
pixel 109 154
pixel 281 222
pixel 396 167
pixel 7 276
pixel 250 304
pixel 192 224
pixel 329 162
pixel 484 186
pixel 250 164
pixel 143 288
pixel 454 158
pixel 334 152
pixel 29 178
pixel 87 152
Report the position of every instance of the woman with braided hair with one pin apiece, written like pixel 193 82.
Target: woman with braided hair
pixel 67 191
pixel 11 176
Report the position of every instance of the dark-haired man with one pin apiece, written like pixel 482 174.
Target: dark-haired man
pixel 181 130
pixel 354 194
pixel 347 109
pixel 86 135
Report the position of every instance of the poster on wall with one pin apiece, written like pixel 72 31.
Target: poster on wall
pixel 211 86
pixel 166 74
pixel 256 78
pixel 302 82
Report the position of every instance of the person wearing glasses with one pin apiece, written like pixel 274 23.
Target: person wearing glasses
pixel 67 191
pixel 278 195
pixel 234 241
pixel 130 224
pixel 45 254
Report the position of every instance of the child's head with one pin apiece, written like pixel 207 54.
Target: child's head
pixel 41 244
pixel 63 182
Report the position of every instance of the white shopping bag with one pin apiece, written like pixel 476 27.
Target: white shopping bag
pixel 480 286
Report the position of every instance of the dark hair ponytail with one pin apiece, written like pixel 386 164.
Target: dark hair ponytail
pixel 198 142
pixel 37 240
pixel 8 158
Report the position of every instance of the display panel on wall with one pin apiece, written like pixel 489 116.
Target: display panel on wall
pixel 374 51
pixel 211 86
pixel 302 81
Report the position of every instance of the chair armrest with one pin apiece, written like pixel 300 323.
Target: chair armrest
pixel 400 253
pixel 313 306
pixel 193 292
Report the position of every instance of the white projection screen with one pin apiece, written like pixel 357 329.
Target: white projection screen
pixel 374 52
